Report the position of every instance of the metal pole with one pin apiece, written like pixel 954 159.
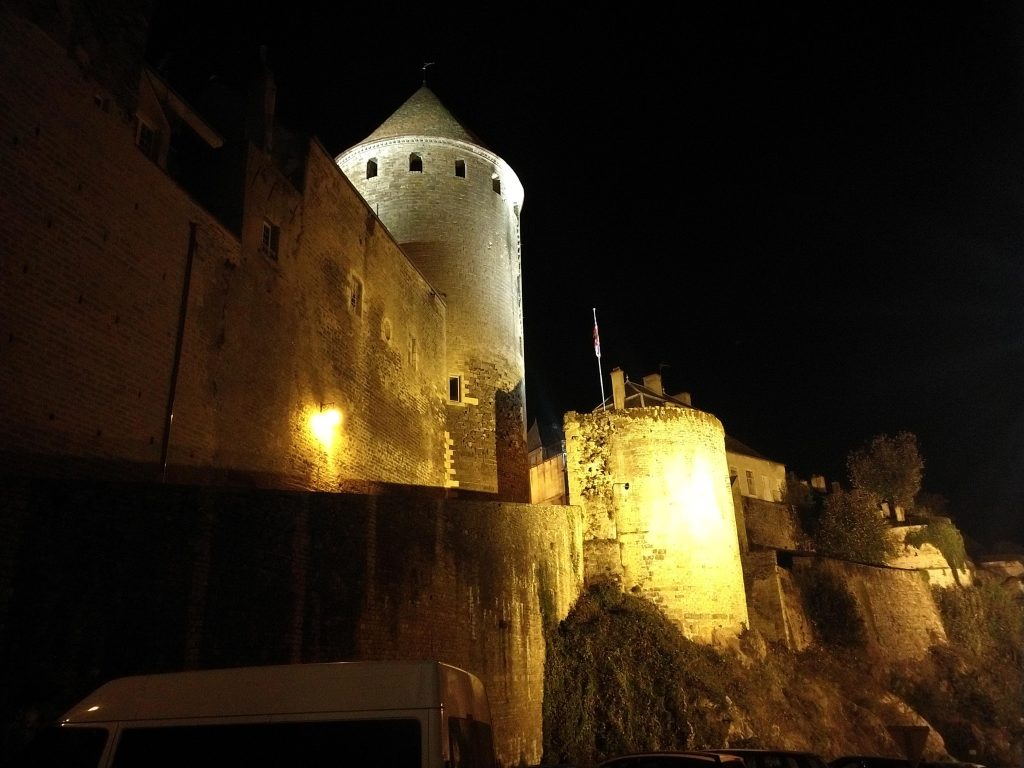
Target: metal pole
pixel 597 351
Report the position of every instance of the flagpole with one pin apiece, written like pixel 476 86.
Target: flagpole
pixel 597 351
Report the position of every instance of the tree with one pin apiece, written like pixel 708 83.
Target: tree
pixel 851 528
pixel 889 469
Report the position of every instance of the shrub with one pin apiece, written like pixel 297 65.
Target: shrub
pixel 620 677
pixel 945 537
pixel 851 529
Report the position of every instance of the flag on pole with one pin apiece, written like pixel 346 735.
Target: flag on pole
pixel 597 338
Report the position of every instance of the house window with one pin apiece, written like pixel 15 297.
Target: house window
pixel 371 168
pixel 767 488
pixel 270 239
pixel 751 488
pixel 496 184
pixel 455 389
pixel 147 139
pixel 385 330
pixel 460 169
pixel 415 163
pixel 355 299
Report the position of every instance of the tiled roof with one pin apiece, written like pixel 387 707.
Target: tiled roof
pixel 423 114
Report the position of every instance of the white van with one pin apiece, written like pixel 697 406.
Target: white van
pixel 420 714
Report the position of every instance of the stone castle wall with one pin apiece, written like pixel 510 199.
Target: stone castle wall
pixel 772 525
pixel 148 578
pixel 653 484
pixel 900 615
pixel 899 612
pixel 96 241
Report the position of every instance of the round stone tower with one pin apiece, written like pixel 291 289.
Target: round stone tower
pixel 653 483
pixel 453 206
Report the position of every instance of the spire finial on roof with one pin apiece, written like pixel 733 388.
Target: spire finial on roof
pixel 425 65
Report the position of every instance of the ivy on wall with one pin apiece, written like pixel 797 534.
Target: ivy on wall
pixel 945 537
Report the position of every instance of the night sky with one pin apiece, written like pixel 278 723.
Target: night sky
pixel 809 217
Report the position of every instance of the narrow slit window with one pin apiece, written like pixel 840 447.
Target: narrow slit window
pixel 496 184
pixel 460 169
pixel 270 239
pixel 371 168
pixel 455 389
pixel 356 297
pixel 147 139
pixel 415 163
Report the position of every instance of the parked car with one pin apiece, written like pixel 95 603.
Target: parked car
pixel 777 758
pixel 683 759
pixel 868 761
pixel 881 761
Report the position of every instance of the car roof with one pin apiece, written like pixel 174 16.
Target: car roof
pixel 694 758
pixel 765 751
pixel 771 758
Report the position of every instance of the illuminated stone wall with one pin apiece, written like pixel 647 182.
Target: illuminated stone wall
pixel 463 233
pixel 670 536
pixel 272 340
pixel 162 578
pixel 95 241
pixel 772 525
pixel 900 615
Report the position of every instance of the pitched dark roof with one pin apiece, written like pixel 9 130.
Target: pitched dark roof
pixel 423 114
pixel 732 445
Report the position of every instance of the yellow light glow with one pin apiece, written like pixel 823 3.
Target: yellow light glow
pixel 92 709
pixel 325 426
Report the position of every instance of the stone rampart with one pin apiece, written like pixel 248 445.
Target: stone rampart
pixel 772 525
pixel 900 615
pixel 147 578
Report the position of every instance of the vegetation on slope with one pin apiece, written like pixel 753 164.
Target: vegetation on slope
pixel 972 689
pixel 620 677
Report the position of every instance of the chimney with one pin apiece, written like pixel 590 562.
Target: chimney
pixel 618 389
pixel 653 382
pixel 683 397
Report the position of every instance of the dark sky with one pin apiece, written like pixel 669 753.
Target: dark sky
pixel 811 217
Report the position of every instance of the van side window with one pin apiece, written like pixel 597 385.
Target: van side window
pixel 271 745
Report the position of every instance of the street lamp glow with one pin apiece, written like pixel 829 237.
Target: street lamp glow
pixel 324 425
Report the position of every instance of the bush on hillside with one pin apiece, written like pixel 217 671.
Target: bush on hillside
pixel 621 677
pixel 852 529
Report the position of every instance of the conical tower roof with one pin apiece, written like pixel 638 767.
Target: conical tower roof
pixel 423 114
